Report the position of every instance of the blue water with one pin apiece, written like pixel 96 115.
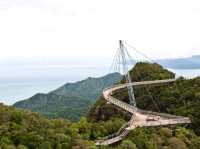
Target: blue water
pixel 21 83
pixel 187 73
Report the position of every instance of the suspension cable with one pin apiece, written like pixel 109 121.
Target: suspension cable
pixel 121 59
pixel 146 88
pixel 151 60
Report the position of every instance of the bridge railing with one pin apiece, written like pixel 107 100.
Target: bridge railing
pixel 131 108
pixel 119 86
pixel 127 107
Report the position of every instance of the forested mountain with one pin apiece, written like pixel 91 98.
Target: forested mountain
pixel 22 129
pixel 141 72
pixel 180 98
pixel 90 88
pixel 70 101
pixel 181 63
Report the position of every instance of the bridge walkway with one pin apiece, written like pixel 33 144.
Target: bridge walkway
pixel 140 118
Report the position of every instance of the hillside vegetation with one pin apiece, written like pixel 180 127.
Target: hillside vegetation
pixel 70 101
pixel 180 98
pixel 141 72
pixel 22 129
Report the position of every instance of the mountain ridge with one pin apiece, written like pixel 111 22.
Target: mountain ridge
pixel 72 100
pixel 23 129
pixel 192 62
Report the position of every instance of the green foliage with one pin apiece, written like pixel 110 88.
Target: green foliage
pixel 152 138
pixel 20 129
pixel 147 71
pixel 127 144
pixel 21 147
pixel 71 101
pixel 166 132
pixel 45 145
pixel 159 138
pixel 179 98
pixel 141 72
pixel 8 147
pixel 175 143
pixel 24 129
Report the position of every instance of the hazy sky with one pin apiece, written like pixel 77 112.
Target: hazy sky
pixel 89 30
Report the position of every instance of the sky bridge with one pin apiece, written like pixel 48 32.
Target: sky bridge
pixel 140 118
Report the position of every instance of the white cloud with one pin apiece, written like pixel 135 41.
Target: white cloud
pixel 91 28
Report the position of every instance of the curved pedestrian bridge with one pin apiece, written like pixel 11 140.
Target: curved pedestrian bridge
pixel 140 118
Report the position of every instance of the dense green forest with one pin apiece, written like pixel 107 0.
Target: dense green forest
pixel 70 101
pixel 22 129
pixel 180 98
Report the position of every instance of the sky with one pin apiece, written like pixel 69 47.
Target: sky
pixel 87 31
pixel 66 40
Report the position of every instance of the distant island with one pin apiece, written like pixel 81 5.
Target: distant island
pixel 72 100
pixel 181 63
pixel 76 98
pixel 23 129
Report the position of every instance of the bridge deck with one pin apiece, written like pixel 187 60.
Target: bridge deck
pixel 140 118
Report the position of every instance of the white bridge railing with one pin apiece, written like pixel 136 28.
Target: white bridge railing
pixel 140 117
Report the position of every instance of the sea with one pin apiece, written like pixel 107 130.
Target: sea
pixel 20 84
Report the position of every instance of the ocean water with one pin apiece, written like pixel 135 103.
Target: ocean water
pixel 187 73
pixel 21 83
